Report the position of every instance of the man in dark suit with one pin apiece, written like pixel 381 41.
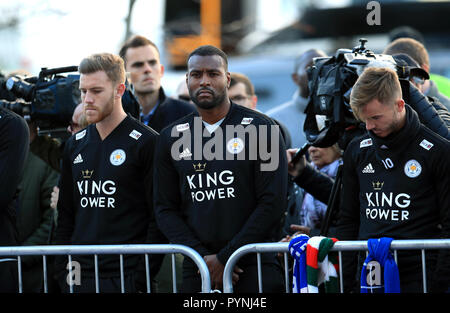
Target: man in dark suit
pixel 142 61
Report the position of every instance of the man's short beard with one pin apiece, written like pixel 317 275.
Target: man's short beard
pixel 105 112
pixel 207 105
pixel 396 125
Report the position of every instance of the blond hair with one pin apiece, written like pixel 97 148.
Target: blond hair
pixel 111 64
pixel 375 83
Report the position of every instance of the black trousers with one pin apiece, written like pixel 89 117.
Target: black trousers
pixel 9 282
pixel 106 284
pixel 272 279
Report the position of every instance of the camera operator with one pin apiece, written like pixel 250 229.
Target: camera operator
pixel 396 180
pixel 417 51
pixel 49 149
pixel 14 142
pixel 315 182
pixel 48 100
pixel 34 214
pixel 430 112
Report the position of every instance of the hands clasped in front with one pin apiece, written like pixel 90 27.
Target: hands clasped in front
pixel 216 269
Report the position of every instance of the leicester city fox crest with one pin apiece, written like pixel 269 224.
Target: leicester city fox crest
pixel 413 168
pixel 235 145
pixel 117 157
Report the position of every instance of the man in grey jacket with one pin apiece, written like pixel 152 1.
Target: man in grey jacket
pixel 291 113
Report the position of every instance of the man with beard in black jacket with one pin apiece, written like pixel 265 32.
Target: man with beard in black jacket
pixel 212 192
pixel 14 143
pixel 142 61
pixel 106 183
pixel 396 181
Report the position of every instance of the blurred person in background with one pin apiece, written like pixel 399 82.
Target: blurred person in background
pixel 292 113
pixel 418 53
pixel 442 82
pixel 312 212
pixel 14 146
pixel 142 61
pixel 242 91
pixel 417 77
pixel 182 92
pixel 406 32
pixel 35 216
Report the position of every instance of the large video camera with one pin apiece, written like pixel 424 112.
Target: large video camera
pixel 49 99
pixel 329 117
pixel 330 81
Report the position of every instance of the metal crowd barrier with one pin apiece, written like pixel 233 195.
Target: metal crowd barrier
pixel 283 247
pixel 120 250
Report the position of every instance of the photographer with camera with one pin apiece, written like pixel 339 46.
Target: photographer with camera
pixel 396 180
pixel 31 97
pixel 47 100
pixel 35 216
pixel 14 143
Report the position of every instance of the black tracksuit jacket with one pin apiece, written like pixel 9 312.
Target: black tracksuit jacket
pixel 168 111
pixel 14 146
pixel 106 192
pixel 216 206
pixel 397 187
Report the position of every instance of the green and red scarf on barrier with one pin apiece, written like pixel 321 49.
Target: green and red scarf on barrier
pixel 322 265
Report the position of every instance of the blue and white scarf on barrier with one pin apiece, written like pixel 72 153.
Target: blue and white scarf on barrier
pixel 379 251
pixel 297 248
